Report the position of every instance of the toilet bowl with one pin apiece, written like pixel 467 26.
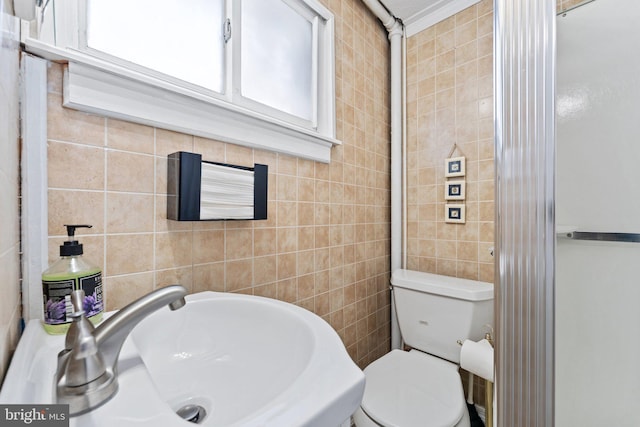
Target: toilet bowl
pixel 405 388
pixel 422 387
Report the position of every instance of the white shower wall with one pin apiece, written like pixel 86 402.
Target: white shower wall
pixel 9 217
pixel 598 189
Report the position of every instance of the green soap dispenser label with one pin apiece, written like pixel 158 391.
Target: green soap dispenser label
pixel 57 301
pixel 92 287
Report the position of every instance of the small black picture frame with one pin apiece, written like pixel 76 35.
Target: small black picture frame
pixel 454 213
pixel 454 190
pixel 454 166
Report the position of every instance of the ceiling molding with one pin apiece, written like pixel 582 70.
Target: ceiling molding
pixel 433 14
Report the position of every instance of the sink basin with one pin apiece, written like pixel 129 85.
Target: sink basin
pixel 244 360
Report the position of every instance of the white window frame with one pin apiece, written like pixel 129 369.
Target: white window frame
pixel 248 103
pixel 94 83
pixel 82 46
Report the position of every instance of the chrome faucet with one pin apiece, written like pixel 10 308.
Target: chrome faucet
pixel 87 374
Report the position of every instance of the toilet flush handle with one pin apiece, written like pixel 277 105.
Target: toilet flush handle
pixel 489 334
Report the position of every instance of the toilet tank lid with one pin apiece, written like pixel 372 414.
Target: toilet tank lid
pixel 454 287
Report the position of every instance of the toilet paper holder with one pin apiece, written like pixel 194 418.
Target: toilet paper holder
pixel 488 388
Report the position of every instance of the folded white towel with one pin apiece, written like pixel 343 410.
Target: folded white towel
pixel 226 193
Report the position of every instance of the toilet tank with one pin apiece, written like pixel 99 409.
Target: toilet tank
pixel 435 312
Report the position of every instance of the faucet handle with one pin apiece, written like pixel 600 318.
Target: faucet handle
pixel 77 301
pixel 85 362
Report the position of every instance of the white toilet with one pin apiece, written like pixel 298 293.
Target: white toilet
pixel 422 387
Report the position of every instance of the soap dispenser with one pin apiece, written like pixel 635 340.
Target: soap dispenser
pixel 71 272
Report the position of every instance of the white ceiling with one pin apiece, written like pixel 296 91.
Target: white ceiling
pixel 418 15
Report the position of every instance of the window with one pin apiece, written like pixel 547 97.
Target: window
pixel 183 42
pixel 281 76
pixel 254 72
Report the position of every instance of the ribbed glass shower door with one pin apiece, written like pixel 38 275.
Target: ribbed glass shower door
pixel 525 235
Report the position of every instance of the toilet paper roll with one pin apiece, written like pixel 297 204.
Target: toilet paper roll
pixel 477 358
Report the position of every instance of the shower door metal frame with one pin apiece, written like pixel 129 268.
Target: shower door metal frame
pixel 524 69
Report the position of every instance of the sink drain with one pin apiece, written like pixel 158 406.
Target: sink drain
pixel 192 413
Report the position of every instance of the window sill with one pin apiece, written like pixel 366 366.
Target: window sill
pixel 95 86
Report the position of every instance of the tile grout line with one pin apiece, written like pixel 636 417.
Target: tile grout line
pixel 154 283
pixel 105 210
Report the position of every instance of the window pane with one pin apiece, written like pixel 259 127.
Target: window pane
pixel 163 35
pixel 276 55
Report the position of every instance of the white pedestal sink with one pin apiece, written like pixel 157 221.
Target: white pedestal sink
pixel 243 360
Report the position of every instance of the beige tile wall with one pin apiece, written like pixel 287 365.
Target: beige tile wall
pixel 566 4
pixel 10 308
pixel 450 101
pixel 325 245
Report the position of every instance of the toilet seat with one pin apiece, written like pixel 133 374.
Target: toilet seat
pixel 407 389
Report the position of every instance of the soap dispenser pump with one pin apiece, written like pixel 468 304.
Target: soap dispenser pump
pixel 71 272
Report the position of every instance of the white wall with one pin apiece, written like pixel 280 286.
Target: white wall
pixel 9 159
pixel 598 189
